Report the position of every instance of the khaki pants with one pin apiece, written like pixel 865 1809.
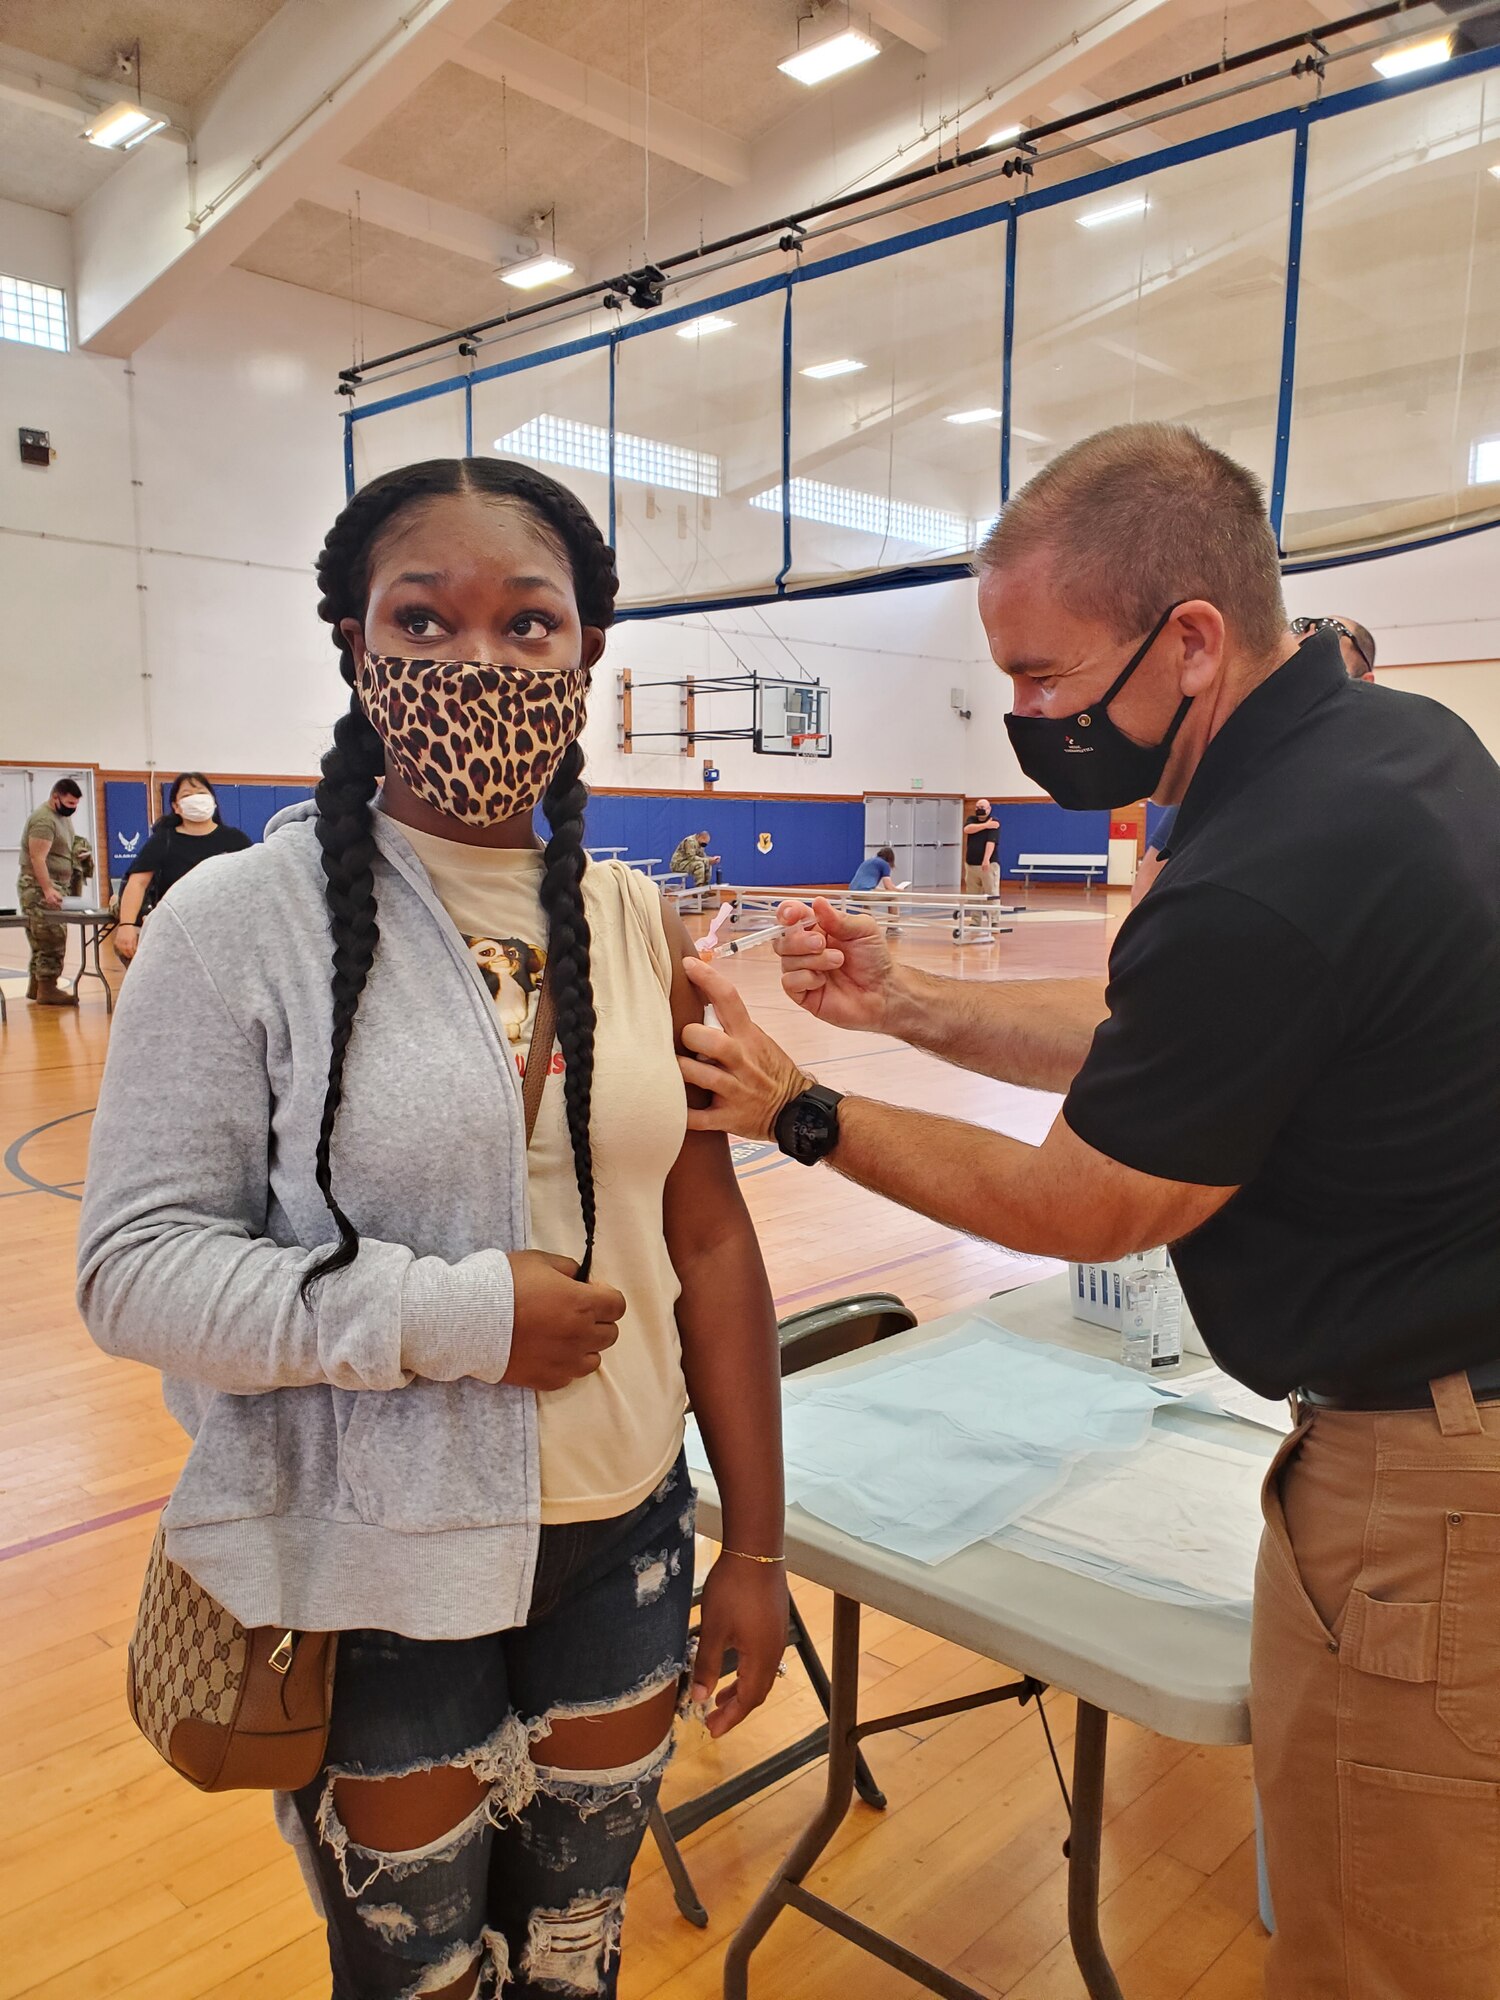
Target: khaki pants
pixel 980 879
pixel 1375 1701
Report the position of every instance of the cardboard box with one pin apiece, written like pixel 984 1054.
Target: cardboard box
pixel 1098 1289
pixel 1098 1293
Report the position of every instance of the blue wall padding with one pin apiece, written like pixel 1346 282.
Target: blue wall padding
pixel 1037 826
pixel 127 814
pixel 250 807
pixel 230 809
pixel 812 840
pixel 1154 817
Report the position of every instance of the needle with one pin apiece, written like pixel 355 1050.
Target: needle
pixel 753 938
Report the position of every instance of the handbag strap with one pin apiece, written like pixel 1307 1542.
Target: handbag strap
pixel 539 1055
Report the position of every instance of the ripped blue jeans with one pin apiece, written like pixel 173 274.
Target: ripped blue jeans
pixel 530 1888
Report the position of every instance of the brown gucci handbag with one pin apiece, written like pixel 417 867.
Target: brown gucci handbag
pixel 229 1708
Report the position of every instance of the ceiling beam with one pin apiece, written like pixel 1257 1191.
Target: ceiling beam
pixel 401 209
pixel 313 83
pixel 38 84
pixel 921 23
pixel 387 205
pixel 595 99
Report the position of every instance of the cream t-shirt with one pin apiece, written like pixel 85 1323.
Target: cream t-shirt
pixel 609 1439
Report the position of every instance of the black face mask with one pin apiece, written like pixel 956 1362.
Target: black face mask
pixel 67 807
pixel 1083 761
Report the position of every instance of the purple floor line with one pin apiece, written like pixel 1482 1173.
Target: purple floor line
pixel 82 1528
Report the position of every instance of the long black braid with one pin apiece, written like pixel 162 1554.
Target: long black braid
pixel 353 767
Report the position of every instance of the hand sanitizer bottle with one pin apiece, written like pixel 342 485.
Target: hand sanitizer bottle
pixel 1151 1321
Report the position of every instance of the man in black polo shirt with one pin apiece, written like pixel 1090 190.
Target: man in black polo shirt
pixel 1296 1082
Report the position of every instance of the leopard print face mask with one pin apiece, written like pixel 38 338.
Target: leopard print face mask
pixel 477 741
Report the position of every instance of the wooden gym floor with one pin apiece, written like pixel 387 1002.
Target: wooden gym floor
pixel 122 1883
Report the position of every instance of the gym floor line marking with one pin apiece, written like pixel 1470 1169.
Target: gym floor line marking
pixel 16 1194
pixel 32 1185
pixel 81 1528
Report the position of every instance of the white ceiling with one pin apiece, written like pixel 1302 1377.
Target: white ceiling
pixel 642 125
pixel 186 45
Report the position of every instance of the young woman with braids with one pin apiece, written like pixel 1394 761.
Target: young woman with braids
pixel 310 1202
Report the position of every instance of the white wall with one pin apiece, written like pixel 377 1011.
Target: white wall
pixel 1440 604
pixel 889 661
pixel 237 448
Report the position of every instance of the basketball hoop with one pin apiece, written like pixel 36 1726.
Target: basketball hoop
pixel 805 744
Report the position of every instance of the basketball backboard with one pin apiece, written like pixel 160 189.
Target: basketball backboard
pixel 785 710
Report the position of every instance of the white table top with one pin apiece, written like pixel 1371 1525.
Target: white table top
pixel 1182 1670
pixel 16 920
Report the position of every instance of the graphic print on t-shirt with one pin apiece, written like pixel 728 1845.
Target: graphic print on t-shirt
pixel 512 970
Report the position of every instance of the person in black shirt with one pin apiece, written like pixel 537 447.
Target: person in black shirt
pixel 1293 1079
pixel 981 869
pixel 1356 643
pixel 188 832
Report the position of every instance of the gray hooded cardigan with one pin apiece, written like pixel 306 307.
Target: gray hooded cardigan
pixel 356 1461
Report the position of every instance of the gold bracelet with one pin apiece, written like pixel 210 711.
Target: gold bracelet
pixel 745 1556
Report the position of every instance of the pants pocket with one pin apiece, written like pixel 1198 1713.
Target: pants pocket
pixel 1421 1856
pixel 1468 1692
pixel 1278 1566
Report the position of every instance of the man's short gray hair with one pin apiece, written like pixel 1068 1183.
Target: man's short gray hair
pixel 1143 516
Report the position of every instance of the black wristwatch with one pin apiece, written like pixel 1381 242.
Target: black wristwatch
pixel 808 1129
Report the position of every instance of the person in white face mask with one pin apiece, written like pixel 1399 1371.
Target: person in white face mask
pixel 188 832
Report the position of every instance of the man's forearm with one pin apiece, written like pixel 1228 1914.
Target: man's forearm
pixel 1033 1032
pixel 977 1181
pixel 1059 1199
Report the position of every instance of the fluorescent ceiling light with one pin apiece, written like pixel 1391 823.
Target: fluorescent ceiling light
pixel 983 415
pixel 648 461
pixel 696 328
pixel 1004 136
pixel 824 371
pixel 1484 461
pixel 1495 170
pixel 537 271
pixel 830 57
pixel 1416 55
pixel 1097 217
pixel 123 127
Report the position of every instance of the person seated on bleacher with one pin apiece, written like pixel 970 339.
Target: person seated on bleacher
pixel 877 868
pixel 689 858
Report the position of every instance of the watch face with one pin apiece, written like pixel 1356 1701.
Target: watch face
pixel 809 1126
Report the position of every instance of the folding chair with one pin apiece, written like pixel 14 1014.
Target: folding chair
pixel 840 1327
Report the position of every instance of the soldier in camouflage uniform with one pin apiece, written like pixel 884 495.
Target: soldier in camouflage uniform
pixel 48 863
